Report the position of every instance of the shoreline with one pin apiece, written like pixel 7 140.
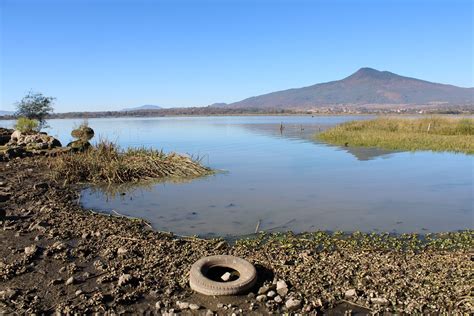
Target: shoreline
pixel 58 256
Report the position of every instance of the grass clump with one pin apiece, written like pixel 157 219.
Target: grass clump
pixel 107 163
pixel 433 133
pixel 26 125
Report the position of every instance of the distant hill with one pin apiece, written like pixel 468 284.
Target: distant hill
pixel 7 112
pixel 144 107
pixel 367 86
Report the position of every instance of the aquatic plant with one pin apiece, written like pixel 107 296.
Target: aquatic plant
pixel 428 133
pixel 108 163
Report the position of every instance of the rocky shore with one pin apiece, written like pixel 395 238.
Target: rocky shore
pixel 58 257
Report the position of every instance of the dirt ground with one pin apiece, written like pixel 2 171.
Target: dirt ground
pixel 58 257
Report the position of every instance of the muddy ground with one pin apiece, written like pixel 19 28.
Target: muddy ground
pixel 58 257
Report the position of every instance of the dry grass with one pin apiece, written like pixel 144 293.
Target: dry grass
pixel 430 133
pixel 107 163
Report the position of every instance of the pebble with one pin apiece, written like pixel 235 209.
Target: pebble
pixel 78 292
pixel 278 299
pixel 31 250
pixel 292 304
pixel 182 305
pixel 220 305
pixel 194 307
pixel 264 289
pixel 158 305
pixel 209 313
pixel 122 251
pixel 271 294
pixel 350 293
pixel 282 288
pixel 379 300
pixel 124 279
pixel 261 298
pixel 70 281
pixel 8 294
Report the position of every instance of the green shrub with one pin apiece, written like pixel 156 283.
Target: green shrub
pixel 26 125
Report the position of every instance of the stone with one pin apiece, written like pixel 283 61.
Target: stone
pixel 122 250
pixel 281 285
pixel 379 301
pixel 261 298
pixel 70 281
pixel 293 304
pixel 194 307
pixel 226 276
pixel 124 279
pixel 350 293
pixel 283 291
pixel 8 294
pixel 278 299
pixel 83 133
pixel 158 305
pixel 31 250
pixel 271 294
pixel 79 145
pixel 78 292
pixel 182 305
pixel 264 289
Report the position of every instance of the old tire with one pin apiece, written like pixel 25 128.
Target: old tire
pixel 202 284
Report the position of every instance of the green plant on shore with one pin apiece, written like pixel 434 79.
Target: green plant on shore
pixel 26 125
pixel 430 133
pixel 107 163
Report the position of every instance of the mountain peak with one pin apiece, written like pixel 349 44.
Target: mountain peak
pixel 371 73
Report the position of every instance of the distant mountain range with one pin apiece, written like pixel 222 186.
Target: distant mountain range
pixel 367 86
pixel 144 107
pixel 7 112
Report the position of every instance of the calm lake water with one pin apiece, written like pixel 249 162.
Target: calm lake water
pixel 284 181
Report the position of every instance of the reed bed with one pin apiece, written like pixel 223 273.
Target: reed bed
pixel 429 133
pixel 107 163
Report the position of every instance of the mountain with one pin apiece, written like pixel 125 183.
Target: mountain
pixel 367 86
pixel 143 107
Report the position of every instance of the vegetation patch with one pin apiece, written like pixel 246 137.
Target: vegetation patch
pixel 107 163
pixel 430 133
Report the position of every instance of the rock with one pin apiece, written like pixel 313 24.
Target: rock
pixel 264 289
pixel 122 250
pixel 70 281
pixel 251 295
pixel 261 298
pixel 5 135
pixel 79 145
pixel 124 279
pixel 8 294
pixel 182 305
pixel 209 313
pixel 283 291
pixel 226 276
pixel 220 305
pixel 271 294
pixel 78 292
pixel 293 304
pixel 350 293
pixel 278 299
pixel 31 250
pixel 281 285
pixel 84 133
pixel 158 305
pixel 194 307
pixel 379 301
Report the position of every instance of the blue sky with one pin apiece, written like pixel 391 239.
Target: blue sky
pixel 108 55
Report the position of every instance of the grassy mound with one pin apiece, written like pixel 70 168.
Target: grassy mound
pixel 107 163
pixel 434 133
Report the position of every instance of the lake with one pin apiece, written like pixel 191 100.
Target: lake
pixel 283 180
